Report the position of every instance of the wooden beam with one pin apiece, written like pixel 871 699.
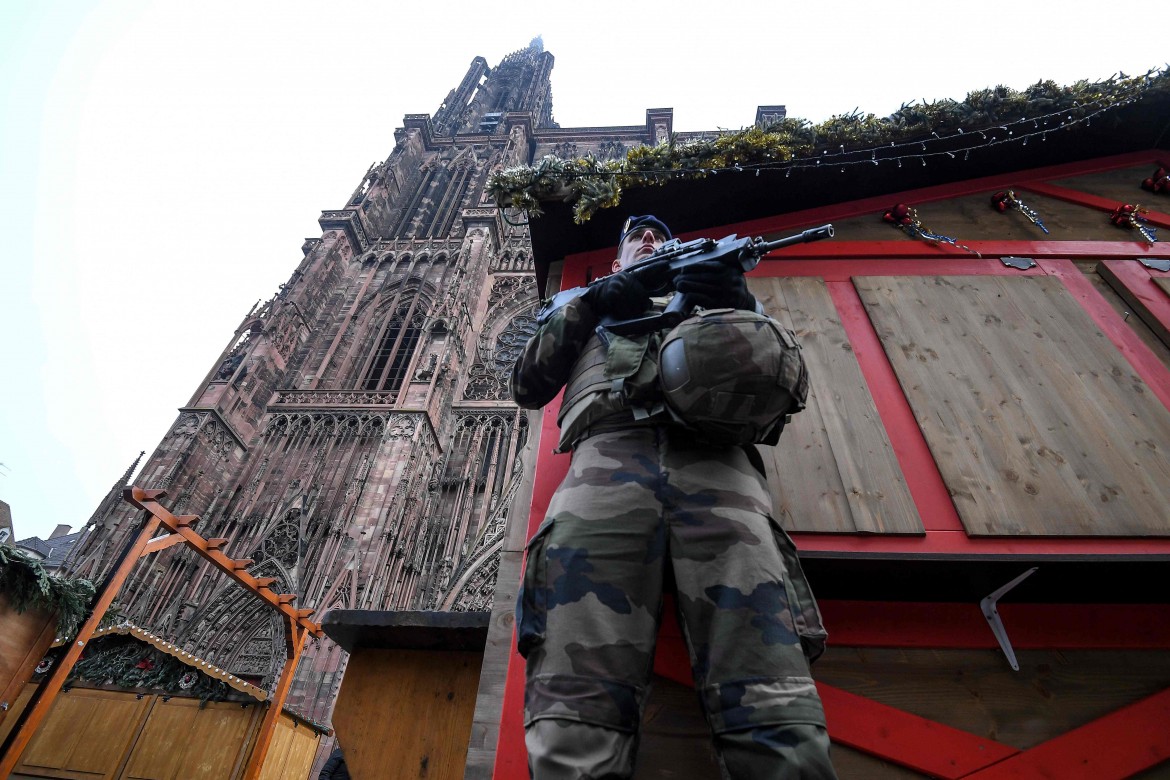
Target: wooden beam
pixel 230 566
pixel 874 205
pixel 921 472
pixel 1127 246
pixel 216 543
pixel 855 623
pixel 1156 218
pixel 275 705
pixel 1135 284
pixel 159 543
pixel 1116 746
pixel 903 738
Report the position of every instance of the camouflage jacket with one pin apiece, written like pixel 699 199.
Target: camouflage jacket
pixel 610 382
pixel 547 360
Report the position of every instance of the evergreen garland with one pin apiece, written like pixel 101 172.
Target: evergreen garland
pixel 27 585
pixel 127 662
pixel 592 184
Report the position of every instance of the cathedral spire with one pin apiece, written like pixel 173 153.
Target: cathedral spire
pixel 520 83
pixel 114 496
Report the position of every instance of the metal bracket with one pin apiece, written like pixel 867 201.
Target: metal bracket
pixel 992 614
pixel 1157 265
pixel 1023 263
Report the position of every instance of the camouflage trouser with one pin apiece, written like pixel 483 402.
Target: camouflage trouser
pixel 635 502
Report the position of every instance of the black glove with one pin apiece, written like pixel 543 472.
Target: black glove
pixel 619 295
pixel 715 285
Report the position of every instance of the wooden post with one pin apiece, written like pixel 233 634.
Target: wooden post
pixel 295 638
pixel 51 686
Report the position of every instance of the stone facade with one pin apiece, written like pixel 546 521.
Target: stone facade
pixel 356 438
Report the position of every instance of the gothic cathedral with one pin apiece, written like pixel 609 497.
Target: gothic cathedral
pixel 356 439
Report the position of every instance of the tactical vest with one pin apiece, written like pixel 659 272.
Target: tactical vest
pixel 614 382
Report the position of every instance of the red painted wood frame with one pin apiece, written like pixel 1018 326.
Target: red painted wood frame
pixel 925 745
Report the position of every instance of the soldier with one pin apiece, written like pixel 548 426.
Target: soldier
pixel 647 504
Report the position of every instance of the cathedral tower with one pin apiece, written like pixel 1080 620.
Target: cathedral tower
pixel 355 438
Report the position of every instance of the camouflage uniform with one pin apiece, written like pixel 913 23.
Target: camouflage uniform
pixel 644 502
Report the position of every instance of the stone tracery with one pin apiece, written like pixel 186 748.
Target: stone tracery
pixel 355 439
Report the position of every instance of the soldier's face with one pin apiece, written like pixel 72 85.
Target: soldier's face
pixel 637 246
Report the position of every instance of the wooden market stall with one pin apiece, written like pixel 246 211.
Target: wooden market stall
pixel 96 730
pixel 37 709
pixel 406 704
pixel 980 485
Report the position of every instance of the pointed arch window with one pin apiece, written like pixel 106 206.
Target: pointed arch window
pixel 394 346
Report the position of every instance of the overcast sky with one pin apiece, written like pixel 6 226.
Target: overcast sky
pixel 162 162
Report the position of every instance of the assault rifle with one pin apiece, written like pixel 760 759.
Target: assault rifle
pixel 658 273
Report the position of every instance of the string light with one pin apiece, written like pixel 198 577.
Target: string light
pixel 922 153
pixel 938 144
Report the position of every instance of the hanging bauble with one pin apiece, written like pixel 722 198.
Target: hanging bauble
pixel 1159 182
pixel 905 218
pixel 1131 216
pixel 900 215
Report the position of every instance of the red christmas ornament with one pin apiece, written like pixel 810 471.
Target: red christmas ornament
pixel 1159 182
pixel 1129 215
pixel 1123 216
pixel 1002 201
pixel 899 214
pixel 145 664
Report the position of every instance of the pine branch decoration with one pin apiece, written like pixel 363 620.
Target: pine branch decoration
pixel 591 185
pixel 131 664
pixel 27 585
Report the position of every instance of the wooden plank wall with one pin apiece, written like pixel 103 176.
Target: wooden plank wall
pixel 87 735
pixel 91 734
pixel 834 469
pixel 15 709
pixel 25 639
pixel 1120 184
pixel 1037 423
pixel 290 756
pixel 407 713
pixel 183 740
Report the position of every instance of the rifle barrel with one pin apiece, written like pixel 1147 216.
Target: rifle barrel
pixel 812 234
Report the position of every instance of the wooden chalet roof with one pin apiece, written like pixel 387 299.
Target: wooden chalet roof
pixel 195 662
pixel 728 198
pixel 1094 558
